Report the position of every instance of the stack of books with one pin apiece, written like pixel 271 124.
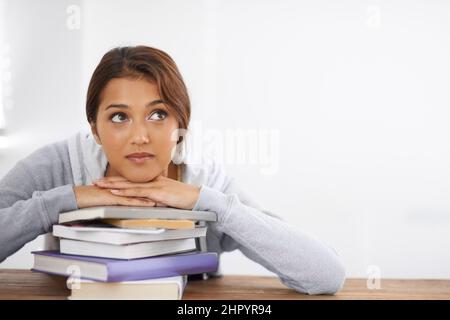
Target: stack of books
pixel 119 252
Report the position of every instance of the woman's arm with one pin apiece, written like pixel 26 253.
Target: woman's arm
pixel 26 210
pixel 27 219
pixel 302 262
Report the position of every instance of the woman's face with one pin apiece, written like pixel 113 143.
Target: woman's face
pixel 132 118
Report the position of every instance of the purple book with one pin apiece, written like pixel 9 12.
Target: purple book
pixel 115 270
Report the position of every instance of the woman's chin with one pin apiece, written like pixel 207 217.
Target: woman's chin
pixel 140 178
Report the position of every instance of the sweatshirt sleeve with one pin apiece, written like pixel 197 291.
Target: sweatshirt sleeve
pixel 301 261
pixel 27 212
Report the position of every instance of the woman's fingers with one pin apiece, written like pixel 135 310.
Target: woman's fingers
pixel 120 184
pixel 160 204
pixel 152 195
pixel 134 201
pixel 149 193
pixel 131 192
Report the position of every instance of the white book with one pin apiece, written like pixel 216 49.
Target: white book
pixel 128 212
pixel 129 251
pixel 170 288
pixel 119 236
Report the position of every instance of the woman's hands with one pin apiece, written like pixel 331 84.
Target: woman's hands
pixel 91 196
pixel 163 191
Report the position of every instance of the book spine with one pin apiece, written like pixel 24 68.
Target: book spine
pixel 165 267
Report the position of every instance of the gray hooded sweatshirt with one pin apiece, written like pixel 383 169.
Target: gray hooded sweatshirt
pixel 40 187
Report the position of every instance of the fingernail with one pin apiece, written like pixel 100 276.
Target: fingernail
pixel 114 190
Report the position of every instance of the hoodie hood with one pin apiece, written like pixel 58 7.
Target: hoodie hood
pixel 87 158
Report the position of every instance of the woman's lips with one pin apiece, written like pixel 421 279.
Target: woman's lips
pixel 140 159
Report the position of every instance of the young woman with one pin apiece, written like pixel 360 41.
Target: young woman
pixel 136 100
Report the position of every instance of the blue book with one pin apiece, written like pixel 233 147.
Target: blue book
pixel 115 270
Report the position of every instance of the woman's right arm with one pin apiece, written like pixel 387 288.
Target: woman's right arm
pixel 37 189
pixel 26 212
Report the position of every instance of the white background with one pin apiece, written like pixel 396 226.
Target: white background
pixel 357 92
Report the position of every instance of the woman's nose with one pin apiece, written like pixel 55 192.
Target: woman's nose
pixel 139 134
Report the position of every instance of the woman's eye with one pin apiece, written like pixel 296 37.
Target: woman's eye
pixel 117 116
pixel 158 115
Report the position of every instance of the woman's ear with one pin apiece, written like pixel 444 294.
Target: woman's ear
pixel 95 133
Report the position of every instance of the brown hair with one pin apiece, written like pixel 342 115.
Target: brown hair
pixel 141 61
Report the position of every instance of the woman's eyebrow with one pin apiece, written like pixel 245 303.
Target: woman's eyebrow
pixel 154 102
pixel 124 106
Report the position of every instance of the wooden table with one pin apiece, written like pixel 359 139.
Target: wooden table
pixel 24 284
